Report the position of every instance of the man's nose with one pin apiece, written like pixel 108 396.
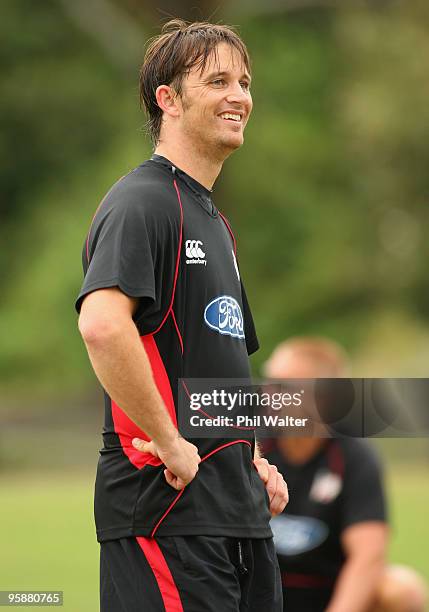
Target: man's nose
pixel 237 94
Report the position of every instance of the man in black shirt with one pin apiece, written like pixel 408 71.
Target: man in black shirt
pixel 183 525
pixel 331 539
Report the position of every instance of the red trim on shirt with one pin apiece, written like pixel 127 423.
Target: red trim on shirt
pixel 209 416
pixel 179 495
pixel 125 428
pixel 230 231
pixel 170 507
pixel 167 586
pixel 160 375
pixel 173 316
pixel 306 581
pixel 224 446
pixel 176 272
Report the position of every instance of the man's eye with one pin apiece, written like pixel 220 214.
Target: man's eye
pixel 245 85
pixel 218 82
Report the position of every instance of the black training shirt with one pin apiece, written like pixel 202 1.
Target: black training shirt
pixel 158 237
pixel 340 486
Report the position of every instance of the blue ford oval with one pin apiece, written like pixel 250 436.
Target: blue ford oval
pixel 224 315
pixel 294 535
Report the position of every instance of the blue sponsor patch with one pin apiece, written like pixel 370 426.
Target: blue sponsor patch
pixel 294 535
pixel 223 314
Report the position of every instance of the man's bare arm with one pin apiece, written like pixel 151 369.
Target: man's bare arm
pixel 123 369
pixel 365 548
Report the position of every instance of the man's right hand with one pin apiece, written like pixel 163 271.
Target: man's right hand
pixel 180 458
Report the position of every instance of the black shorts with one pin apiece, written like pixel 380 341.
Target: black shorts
pixel 189 574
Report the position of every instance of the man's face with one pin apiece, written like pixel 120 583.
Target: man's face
pixel 288 364
pixel 216 103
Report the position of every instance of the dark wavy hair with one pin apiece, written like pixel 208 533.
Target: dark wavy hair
pixel 173 53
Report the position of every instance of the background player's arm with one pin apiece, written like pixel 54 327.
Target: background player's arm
pixel 364 545
pixel 123 369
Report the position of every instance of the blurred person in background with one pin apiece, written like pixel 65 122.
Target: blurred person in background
pixel 182 525
pixel 332 538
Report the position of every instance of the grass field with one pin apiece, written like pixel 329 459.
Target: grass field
pixel 48 539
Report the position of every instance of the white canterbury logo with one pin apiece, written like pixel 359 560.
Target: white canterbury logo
pixel 194 253
pixel 193 249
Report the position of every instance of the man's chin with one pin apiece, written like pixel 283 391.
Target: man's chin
pixel 232 143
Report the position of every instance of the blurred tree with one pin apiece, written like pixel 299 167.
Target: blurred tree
pixel 329 195
pixel 384 113
pixel 163 10
pixel 117 34
pixel 51 119
pixel 340 129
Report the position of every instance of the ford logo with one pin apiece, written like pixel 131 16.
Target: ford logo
pixel 294 535
pixel 224 315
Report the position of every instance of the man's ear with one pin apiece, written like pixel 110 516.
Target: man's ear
pixel 168 100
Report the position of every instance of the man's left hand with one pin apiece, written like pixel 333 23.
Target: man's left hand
pixel 274 483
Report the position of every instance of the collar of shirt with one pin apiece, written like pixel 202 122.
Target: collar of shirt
pixel 203 194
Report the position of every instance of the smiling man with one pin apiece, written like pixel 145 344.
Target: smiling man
pixel 182 524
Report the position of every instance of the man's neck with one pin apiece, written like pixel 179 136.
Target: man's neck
pixel 300 450
pixel 200 167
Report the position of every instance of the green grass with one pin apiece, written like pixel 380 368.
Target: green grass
pixel 408 492
pixel 48 537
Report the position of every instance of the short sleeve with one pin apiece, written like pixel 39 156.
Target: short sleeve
pixel 252 343
pixel 132 244
pixel 363 492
